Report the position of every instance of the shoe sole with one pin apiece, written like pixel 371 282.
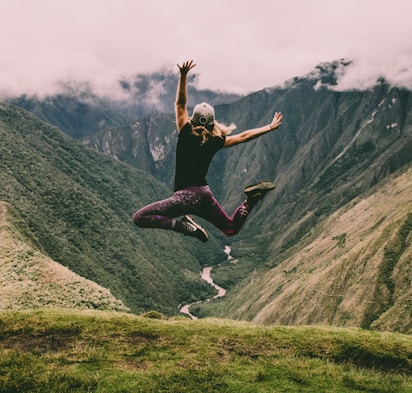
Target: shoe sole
pixel 263 186
pixel 199 228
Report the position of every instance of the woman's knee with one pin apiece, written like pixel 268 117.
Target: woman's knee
pixel 230 232
pixel 137 218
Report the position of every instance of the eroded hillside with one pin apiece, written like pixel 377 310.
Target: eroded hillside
pixel 356 270
pixel 29 279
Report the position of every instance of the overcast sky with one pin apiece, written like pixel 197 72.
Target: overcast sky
pixel 238 45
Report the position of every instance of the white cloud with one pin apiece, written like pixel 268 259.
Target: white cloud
pixel 238 45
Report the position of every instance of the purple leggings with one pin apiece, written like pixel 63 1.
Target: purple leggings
pixel 192 200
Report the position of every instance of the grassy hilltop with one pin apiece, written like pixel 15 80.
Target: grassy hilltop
pixel 95 351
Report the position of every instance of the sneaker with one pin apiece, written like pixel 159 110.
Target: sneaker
pixel 194 229
pixel 259 190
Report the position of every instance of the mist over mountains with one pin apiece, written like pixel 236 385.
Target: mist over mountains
pixel 333 149
pixel 79 111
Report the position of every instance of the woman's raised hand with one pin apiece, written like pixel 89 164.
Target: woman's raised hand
pixel 186 67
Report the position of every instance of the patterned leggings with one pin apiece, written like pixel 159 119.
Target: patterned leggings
pixel 192 200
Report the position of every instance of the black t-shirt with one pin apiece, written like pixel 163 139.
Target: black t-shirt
pixel 193 158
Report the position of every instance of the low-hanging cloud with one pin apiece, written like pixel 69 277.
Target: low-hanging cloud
pixel 238 45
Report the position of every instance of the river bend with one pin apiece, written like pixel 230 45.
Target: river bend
pixel 220 292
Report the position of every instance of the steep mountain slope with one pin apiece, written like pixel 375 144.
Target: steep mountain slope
pixel 77 113
pixel 331 147
pixel 29 279
pixel 148 144
pixel 354 269
pixel 76 207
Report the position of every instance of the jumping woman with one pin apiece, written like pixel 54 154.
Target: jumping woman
pixel 200 137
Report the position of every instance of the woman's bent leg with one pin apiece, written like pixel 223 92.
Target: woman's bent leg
pixel 193 200
pixel 161 214
pixel 214 213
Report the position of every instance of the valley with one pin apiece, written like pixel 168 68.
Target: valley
pixel 311 252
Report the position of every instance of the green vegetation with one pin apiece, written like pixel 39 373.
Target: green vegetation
pixel 341 239
pixel 64 351
pixel 29 279
pixel 75 205
pixel 78 113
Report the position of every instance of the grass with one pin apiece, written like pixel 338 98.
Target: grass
pixel 69 351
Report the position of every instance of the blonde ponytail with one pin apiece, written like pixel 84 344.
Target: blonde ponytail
pixel 220 129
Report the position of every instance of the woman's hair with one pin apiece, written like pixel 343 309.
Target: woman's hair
pixel 220 129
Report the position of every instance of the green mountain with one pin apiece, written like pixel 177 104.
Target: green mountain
pixel 78 112
pixel 74 206
pixel 352 269
pixel 332 148
pixel 29 279
pixel 335 151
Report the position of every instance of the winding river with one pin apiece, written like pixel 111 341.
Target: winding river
pixel 220 292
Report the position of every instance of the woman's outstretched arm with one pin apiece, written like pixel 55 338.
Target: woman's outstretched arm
pixel 254 133
pixel 181 95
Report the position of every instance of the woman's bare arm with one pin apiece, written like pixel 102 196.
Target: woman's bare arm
pixel 181 95
pixel 254 133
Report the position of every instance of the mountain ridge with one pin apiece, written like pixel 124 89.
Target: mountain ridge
pixel 79 111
